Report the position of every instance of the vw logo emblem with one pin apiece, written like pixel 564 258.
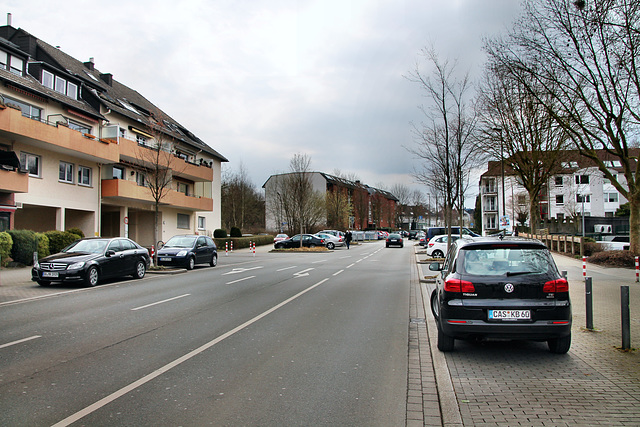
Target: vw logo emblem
pixel 508 288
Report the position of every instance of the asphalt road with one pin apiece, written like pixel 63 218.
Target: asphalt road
pixel 275 339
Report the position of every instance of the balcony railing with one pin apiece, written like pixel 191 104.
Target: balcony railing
pixel 130 190
pixel 14 181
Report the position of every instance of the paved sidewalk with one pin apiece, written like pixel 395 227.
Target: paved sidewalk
pixel 522 383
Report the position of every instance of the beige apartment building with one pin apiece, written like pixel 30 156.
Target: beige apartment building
pixel 78 149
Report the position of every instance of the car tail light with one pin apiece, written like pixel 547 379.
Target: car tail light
pixel 558 285
pixel 431 244
pixel 457 285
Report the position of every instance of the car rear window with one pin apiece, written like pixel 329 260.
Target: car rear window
pixel 498 261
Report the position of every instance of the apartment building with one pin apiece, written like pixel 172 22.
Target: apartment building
pixel 78 149
pixel 575 187
pixel 370 207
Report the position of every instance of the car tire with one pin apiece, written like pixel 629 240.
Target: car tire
pixel 445 342
pixel 331 245
pixel 312 246
pixel 191 262
pixel 560 345
pixel 44 283
pixel 435 309
pixel 141 269
pixel 437 254
pixel 92 277
pixel 214 260
pixel 279 246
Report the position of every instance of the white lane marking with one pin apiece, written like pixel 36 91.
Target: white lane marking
pixel 287 268
pixel 344 257
pixel 317 262
pixel 134 385
pixel 351 265
pixel 241 270
pixel 159 302
pixel 303 272
pixel 240 280
pixel 337 272
pixel 9 344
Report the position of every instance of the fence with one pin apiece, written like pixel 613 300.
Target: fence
pixel 559 242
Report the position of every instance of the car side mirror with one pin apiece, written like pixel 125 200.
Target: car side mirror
pixel 435 266
pixel 109 253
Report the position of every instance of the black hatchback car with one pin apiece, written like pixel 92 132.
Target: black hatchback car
pixel 91 259
pixel 187 250
pixel 507 288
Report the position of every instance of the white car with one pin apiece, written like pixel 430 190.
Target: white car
pixel 332 241
pixel 438 245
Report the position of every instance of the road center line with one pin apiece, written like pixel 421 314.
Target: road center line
pixel 159 302
pixel 9 344
pixel 337 272
pixel 351 265
pixel 240 280
pixel 287 268
pixel 113 396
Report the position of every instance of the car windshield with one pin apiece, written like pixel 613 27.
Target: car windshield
pixel 501 261
pixel 180 242
pixel 87 246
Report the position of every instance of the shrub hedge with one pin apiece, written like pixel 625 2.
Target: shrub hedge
pixel 6 242
pixel 219 233
pixel 24 245
pixel 58 240
pixel 235 232
pixel 243 242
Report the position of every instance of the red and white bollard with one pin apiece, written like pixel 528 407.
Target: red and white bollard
pixel 584 267
pixel 254 248
pixel 226 249
pixel 637 269
pixel 232 246
pixel 153 251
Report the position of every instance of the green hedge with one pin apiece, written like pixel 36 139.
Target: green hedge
pixel 243 242
pixel 219 233
pixel 24 245
pixel 43 245
pixel 235 232
pixel 6 242
pixel 58 240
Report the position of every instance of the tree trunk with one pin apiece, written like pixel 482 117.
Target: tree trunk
pixel 534 213
pixel 634 224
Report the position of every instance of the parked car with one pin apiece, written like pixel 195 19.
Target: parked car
pixel 336 233
pixel 331 241
pixel 506 288
pixel 438 245
pixel 187 250
pixel 280 237
pixel 308 241
pixel 91 259
pixel 395 239
pixel 615 243
pixel 437 231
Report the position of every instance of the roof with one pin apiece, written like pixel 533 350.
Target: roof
pixel 98 89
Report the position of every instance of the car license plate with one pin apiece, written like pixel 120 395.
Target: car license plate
pixel 509 314
pixel 165 259
pixel 49 274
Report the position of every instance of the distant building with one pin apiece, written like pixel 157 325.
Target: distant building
pixel 575 186
pixel 371 208
pixel 70 138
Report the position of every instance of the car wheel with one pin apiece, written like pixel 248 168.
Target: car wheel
pixel 312 245
pixel 191 262
pixel 437 254
pixel 91 279
pixel 279 246
pixel 331 245
pixel 214 260
pixel 141 269
pixel 445 342
pixel 44 282
pixel 435 309
pixel 560 345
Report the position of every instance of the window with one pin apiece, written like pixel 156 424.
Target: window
pixel 611 197
pixel 183 188
pixel 118 172
pixel 202 223
pixel 141 179
pixel 559 181
pixel 79 127
pixel 47 79
pixel 16 65
pixel 122 132
pixel 183 221
pixel 570 165
pixel 142 140
pixel 61 85
pixel 580 198
pixel 28 110
pixel 559 199
pixel 31 162
pixel 4 59
pixel 84 176
pixel 582 179
pixel 66 172
pixel 72 90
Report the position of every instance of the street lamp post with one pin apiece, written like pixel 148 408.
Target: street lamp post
pixel 504 205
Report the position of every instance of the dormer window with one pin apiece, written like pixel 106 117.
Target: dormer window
pixel 11 63
pixel 47 79
pixel 59 84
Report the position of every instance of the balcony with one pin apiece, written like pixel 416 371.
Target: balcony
pixel 489 189
pixel 14 126
pixel 133 152
pixel 122 190
pixel 14 181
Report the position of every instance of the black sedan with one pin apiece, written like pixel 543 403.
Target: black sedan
pixel 91 259
pixel 507 288
pixel 308 241
pixel 187 250
pixel 395 240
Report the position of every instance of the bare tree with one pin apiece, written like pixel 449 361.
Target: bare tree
pixel 584 57
pixel 242 204
pixel 403 194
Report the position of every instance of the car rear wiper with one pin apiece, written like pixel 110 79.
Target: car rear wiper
pixel 518 273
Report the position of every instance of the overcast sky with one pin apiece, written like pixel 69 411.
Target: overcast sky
pixel 261 80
